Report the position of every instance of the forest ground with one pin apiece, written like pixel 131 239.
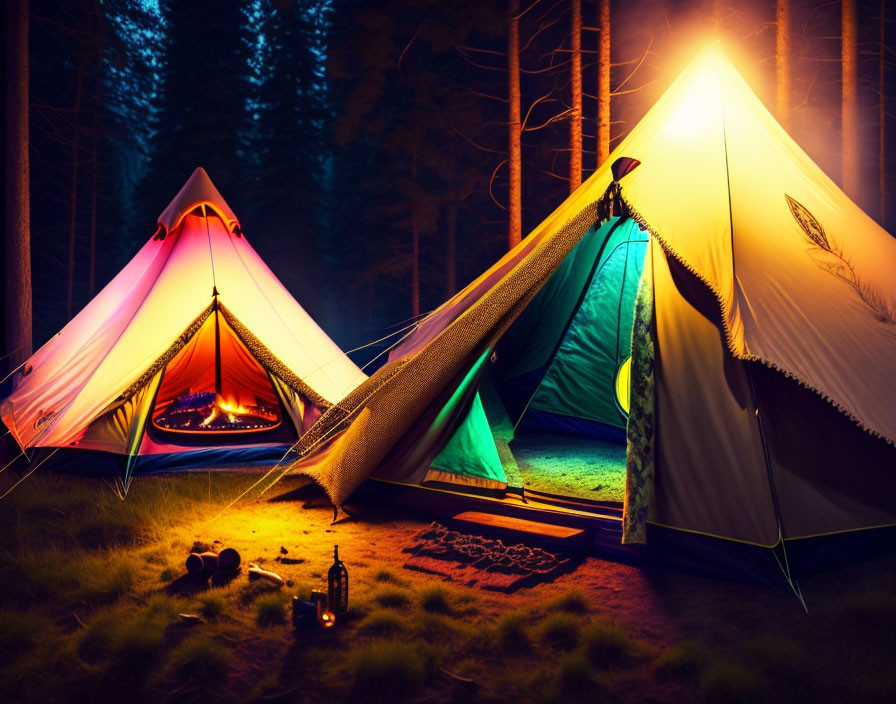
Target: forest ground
pixel 90 598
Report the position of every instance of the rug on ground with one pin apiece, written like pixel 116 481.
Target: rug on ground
pixel 475 560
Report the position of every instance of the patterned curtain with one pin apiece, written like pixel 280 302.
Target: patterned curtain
pixel 641 429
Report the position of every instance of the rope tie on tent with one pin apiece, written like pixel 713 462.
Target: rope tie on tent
pixel 776 505
pixel 28 474
pixel 16 369
pixel 211 254
pixel 13 461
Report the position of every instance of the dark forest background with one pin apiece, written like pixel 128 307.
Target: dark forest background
pixel 359 140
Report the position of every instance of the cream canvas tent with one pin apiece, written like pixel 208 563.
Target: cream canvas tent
pixel 193 354
pixel 709 297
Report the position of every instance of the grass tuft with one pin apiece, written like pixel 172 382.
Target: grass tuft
pixel 131 642
pixel 685 659
pixel 387 577
pixel 200 659
pixel 513 633
pixel 435 599
pixel 561 630
pixel 270 610
pixel 105 580
pixel 386 671
pixel 574 675
pixel 211 605
pixel 606 643
pixel 571 602
pixel 392 598
pixel 382 624
pixel 435 628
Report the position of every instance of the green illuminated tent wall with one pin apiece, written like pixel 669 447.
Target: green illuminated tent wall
pixel 565 362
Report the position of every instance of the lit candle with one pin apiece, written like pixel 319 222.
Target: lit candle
pixel 327 619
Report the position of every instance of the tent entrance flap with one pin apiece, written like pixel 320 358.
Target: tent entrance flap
pixel 571 437
pixel 215 385
pixel 582 380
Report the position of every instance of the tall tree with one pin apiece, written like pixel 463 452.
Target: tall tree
pixel 882 112
pixel 18 227
pixel 202 118
pixel 73 185
pixel 288 144
pixel 575 116
pixel 514 127
pixel 415 244
pixel 849 107
pixel 603 83
pixel 782 61
pixel 94 181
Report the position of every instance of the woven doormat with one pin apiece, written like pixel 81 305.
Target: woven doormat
pixel 484 562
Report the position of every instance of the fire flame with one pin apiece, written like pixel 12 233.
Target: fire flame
pixel 230 407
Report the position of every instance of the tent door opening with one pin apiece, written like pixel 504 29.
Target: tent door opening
pixel 549 414
pixel 570 436
pixel 214 385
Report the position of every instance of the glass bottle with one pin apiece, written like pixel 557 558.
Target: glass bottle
pixel 337 585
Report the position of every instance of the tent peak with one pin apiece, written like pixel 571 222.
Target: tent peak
pixel 198 190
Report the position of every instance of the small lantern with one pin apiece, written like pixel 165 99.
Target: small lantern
pixel 337 585
pixel 327 619
pixel 319 599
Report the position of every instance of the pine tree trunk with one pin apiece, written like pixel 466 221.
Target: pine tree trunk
pixel 415 230
pixel 849 117
pixel 415 275
pixel 603 83
pixel 882 114
pixel 514 153
pixel 575 118
pixel 451 254
pixel 782 62
pixel 18 223
pixel 94 173
pixel 73 203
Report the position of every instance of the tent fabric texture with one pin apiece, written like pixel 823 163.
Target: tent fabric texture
pixel 193 350
pixel 718 303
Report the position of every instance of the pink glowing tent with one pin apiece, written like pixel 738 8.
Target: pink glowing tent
pixel 193 353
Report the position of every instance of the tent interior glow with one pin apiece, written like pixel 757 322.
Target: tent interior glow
pixel 215 385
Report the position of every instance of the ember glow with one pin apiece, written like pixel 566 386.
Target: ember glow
pixel 207 412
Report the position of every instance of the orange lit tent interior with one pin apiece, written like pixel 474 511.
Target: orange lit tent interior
pixel 193 355
pixel 214 384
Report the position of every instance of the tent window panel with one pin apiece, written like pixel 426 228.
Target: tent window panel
pixel 214 384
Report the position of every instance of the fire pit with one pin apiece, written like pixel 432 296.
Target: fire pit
pixel 207 412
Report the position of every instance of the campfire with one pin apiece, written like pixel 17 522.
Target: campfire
pixel 208 412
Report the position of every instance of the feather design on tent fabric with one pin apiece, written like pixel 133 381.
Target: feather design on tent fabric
pixel 839 266
pixel 813 229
